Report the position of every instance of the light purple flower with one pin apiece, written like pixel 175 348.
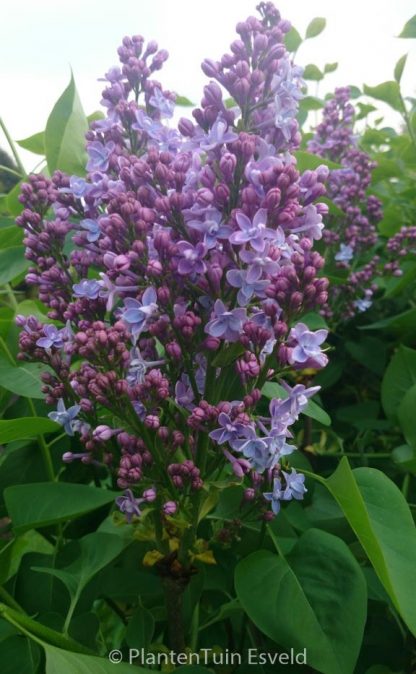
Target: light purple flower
pixel 345 253
pixel 226 324
pixel 65 417
pixel 307 349
pixel 254 449
pixel 99 155
pixel 228 431
pixel 137 313
pixel 295 486
pixel 211 227
pixel 191 261
pixel 129 505
pixel 161 103
pixel 310 223
pixel 218 135
pixel 254 232
pixel 184 394
pixel 238 278
pixel 287 410
pixel 53 337
pixel 362 304
pixel 89 288
pixel 92 228
pixel 259 262
pixel 138 367
pixel 275 495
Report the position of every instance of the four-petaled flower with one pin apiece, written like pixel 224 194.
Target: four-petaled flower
pixel 53 337
pixel 129 505
pixel 345 253
pixel 89 288
pixel 99 155
pixel 307 346
pixel 65 417
pixel 211 227
pixel 254 232
pixel 226 324
pixel 92 227
pixel 238 278
pixel 191 261
pixel 295 486
pixel 136 314
pixel 217 135
pixel 275 495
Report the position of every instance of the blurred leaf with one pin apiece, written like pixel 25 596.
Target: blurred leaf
pixel 52 502
pixel 330 67
pixel 59 661
pixel 364 111
pixel 308 161
pixel 380 517
pixel 65 133
pixel 10 236
pixel 293 40
pixel 405 458
pixel 388 92
pixel 399 377
pixel 355 92
pixel 24 380
pixel 184 102
pixel 28 427
pixel 312 72
pixel 19 655
pixel 315 27
pixel 12 263
pixel 403 324
pixel 13 204
pixel 399 67
pixel 295 612
pixel 140 629
pixel 409 29
pixel 35 143
pixel 406 414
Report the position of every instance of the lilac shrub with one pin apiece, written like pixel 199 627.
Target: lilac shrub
pixel 353 245
pixel 176 274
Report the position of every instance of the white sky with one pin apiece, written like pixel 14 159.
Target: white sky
pixel 41 39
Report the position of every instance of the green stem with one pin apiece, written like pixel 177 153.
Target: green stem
pixel 44 447
pixel 6 169
pixel 405 486
pixel 174 589
pixel 9 600
pixel 13 148
pixel 10 295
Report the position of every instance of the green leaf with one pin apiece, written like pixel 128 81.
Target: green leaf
pixel 405 458
pixel 59 661
pixel 399 377
pixel 315 599
pixel 313 73
pixel 35 143
pixel 13 204
pixel 11 236
pixel 406 415
pixel 65 133
pixel 24 380
pixel 399 67
pixel 52 502
pixel 28 427
pixel 315 27
pixel 388 92
pixel 380 517
pixel 307 161
pixel 409 29
pixel 227 355
pixel 140 629
pixel 20 655
pixel 274 390
pixel 403 324
pixel 12 263
pixel 293 40
pixel 330 67
pixel 183 102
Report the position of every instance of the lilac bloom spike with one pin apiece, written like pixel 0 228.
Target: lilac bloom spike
pixel 254 232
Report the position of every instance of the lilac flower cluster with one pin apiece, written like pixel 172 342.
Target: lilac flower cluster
pixel 191 265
